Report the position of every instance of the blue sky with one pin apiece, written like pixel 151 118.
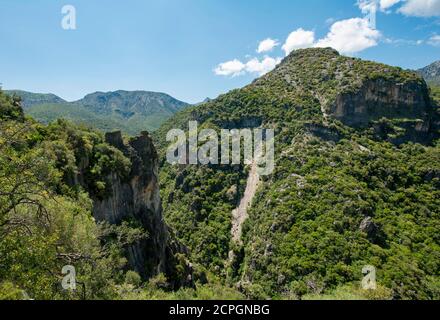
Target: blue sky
pixel 177 46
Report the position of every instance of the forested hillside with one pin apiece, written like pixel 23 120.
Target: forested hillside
pixel 57 191
pixel 435 91
pixel 44 223
pixel 356 183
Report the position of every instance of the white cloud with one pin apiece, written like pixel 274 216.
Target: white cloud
pixel 350 36
pixel 434 41
pixel 230 68
pixel 347 36
pixel 262 67
pixel 267 45
pixel 403 42
pixel 299 39
pixel 421 8
pixel 236 67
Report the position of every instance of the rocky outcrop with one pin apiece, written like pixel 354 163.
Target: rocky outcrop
pixel 397 112
pixel 137 198
pixel 380 98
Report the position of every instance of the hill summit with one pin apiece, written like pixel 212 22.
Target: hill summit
pixel 320 86
pixel 351 90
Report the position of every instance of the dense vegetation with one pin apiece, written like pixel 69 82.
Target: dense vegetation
pixel 46 220
pixel 435 91
pixel 48 113
pixel 44 224
pixel 339 199
pixel 331 209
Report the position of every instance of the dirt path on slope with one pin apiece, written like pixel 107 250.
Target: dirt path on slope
pixel 240 214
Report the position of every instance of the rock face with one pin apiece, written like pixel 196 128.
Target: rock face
pixel 137 197
pixel 380 98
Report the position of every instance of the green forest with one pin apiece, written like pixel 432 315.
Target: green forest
pixel 350 189
pixel 341 197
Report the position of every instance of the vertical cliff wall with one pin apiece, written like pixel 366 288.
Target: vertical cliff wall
pixel 136 197
pixel 380 98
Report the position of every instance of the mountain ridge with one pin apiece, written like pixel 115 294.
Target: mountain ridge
pixel 129 111
pixel 431 73
pixel 127 100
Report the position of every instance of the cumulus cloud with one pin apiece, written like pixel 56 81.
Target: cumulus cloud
pixel 434 41
pixel 299 39
pixel 267 45
pixel 262 67
pixel 350 36
pixel 230 68
pixel 421 8
pixel 347 36
pixel 235 67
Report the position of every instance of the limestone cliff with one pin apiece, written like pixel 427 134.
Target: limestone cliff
pixel 380 98
pixel 407 105
pixel 136 197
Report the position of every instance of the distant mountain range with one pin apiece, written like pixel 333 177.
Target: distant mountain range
pixel 129 111
pixel 431 73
